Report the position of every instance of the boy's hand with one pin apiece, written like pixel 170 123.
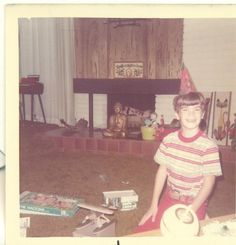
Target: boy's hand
pixel 151 213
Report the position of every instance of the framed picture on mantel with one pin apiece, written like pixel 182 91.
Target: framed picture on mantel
pixel 128 69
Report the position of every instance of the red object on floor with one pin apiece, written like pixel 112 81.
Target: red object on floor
pixel 165 203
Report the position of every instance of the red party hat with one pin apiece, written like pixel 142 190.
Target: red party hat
pixel 186 84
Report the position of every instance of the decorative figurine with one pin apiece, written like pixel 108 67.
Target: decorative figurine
pixel 151 121
pixel 117 123
pixel 162 121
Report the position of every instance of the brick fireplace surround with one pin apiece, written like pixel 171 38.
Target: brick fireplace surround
pixel 98 144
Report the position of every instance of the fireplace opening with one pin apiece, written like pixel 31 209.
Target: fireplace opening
pixel 140 93
pixel 141 102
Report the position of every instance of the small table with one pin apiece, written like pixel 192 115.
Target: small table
pixel 33 88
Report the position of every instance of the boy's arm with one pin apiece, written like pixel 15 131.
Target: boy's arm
pixel 205 191
pixel 159 184
pixel 158 187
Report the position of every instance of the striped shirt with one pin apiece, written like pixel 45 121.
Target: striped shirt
pixel 188 160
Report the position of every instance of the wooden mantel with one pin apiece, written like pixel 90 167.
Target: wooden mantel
pixel 123 86
pixel 126 86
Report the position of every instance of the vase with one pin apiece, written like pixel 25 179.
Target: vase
pixel 148 133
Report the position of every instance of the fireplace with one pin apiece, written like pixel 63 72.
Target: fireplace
pixel 138 93
pixel 141 102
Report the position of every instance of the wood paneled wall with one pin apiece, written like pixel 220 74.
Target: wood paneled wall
pixel 155 42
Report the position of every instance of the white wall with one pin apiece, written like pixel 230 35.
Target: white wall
pixel 99 109
pixel 164 106
pixel 210 54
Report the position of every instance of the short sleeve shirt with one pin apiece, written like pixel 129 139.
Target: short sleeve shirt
pixel 188 160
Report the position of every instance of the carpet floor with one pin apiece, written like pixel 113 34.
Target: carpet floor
pixel 85 175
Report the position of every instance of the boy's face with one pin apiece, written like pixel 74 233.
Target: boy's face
pixel 190 116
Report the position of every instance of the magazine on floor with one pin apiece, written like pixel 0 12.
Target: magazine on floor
pixel 48 204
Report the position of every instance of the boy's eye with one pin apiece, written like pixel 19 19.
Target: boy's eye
pixel 184 109
pixel 197 109
pixel 192 108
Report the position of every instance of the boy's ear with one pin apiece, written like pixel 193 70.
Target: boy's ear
pixel 177 116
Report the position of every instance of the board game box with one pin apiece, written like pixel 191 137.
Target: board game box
pixel 48 204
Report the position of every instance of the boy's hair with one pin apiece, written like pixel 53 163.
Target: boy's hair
pixel 192 98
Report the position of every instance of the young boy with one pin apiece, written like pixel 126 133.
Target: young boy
pixel 188 164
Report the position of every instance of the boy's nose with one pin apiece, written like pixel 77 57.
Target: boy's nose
pixel 191 113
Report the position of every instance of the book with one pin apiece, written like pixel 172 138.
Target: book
pixel 48 204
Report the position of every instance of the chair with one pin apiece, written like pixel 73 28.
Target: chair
pixel 30 85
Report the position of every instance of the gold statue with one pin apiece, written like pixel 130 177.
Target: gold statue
pixel 117 123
